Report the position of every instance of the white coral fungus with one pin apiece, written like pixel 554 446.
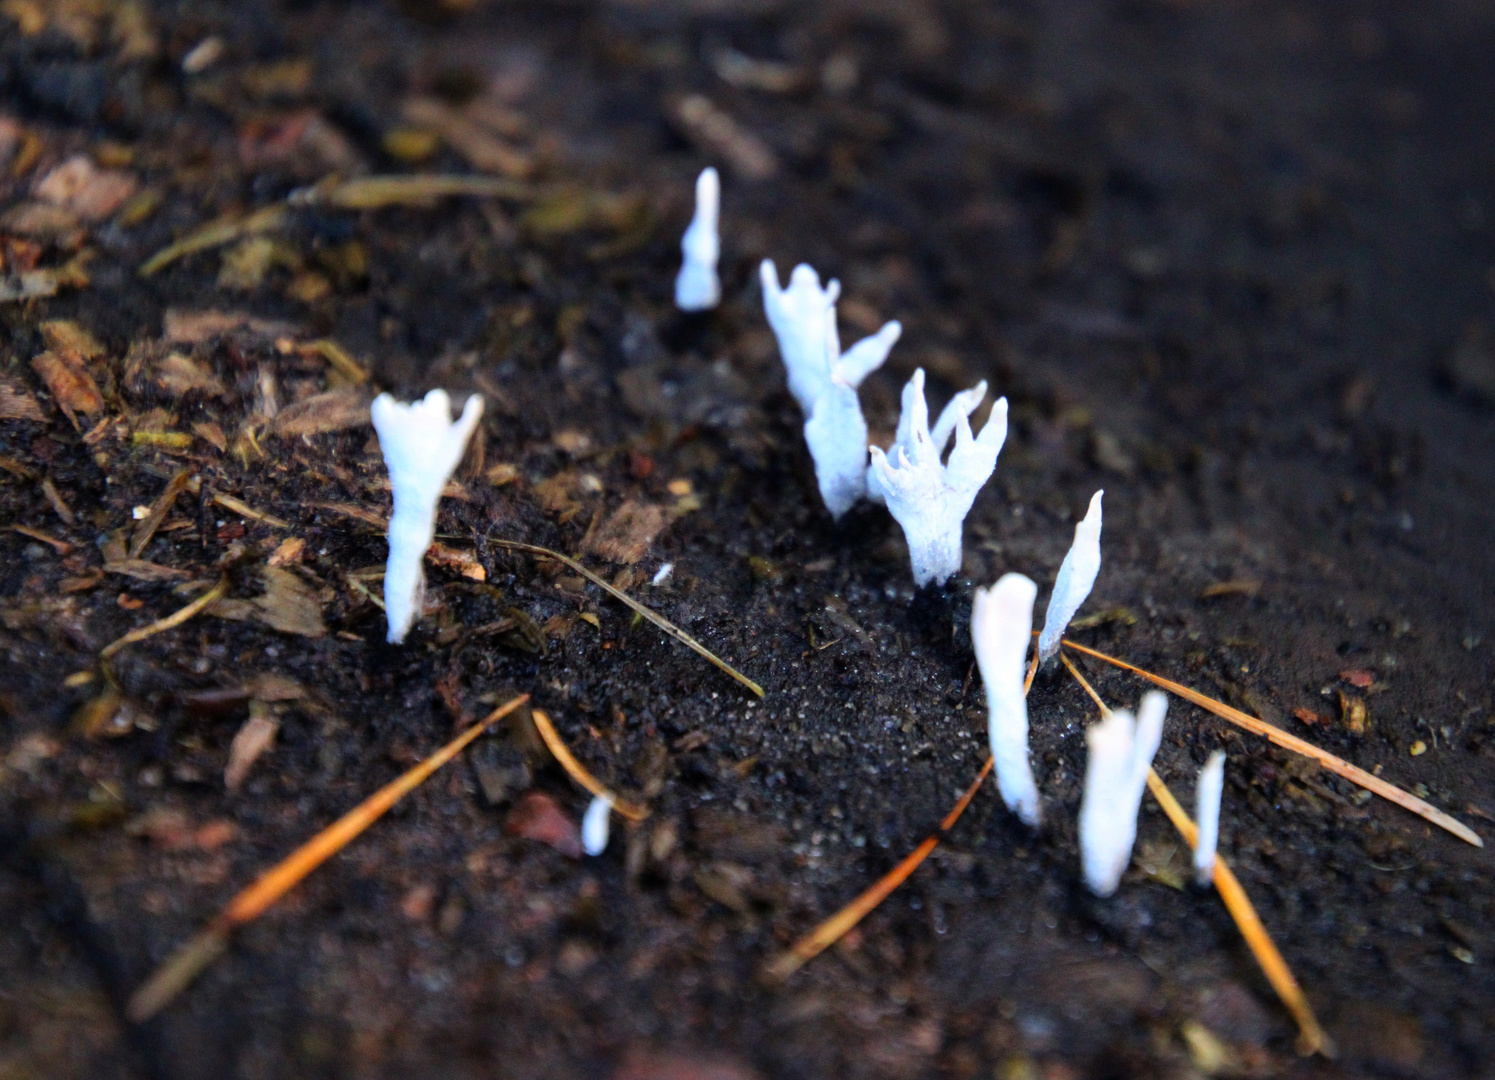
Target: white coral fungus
pixel 422 447
pixel 1120 753
pixel 1001 627
pixel 823 379
pixel 697 287
pixel 594 825
pixel 1207 813
pixel 929 499
pixel 1076 579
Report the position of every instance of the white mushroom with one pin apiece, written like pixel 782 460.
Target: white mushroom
pixel 1001 628
pixel 929 499
pixel 697 286
pixel 1207 798
pixel 1120 753
pixel 1076 579
pixel 422 447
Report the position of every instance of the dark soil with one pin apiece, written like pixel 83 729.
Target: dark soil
pixel 1227 261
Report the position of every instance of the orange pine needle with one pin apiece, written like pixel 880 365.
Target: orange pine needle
pixel 189 961
pixel 1312 1039
pixel 1352 773
pixel 578 772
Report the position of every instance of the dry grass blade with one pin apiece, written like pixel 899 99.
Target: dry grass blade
pixel 578 772
pixel 658 620
pixel 833 929
pixel 216 234
pixel 176 618
pixel 1352 773
pixel 420 189
pixel 1312 1039
pixel 244 510
pixel 159 509
pixel 189 961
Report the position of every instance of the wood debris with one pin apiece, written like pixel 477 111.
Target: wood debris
pixel 17 403
pixel 250 742
pixel 71 385
pixel 626 535
pixel 335 410
pixel 197 327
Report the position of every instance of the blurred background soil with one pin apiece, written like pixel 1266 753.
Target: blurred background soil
pixel 1230 261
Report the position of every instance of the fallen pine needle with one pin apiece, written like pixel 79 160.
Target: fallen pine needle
pixel 833 929
pixel 176 618
pixel 243 509
pixel 578 772
pixel 658 620
pixel 1352 773
pixel 1312 1039
pixel 191 959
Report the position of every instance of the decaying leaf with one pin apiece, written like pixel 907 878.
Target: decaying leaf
pixel 70 382
pixel 178 375
pixel 195 327
pixel 336 410
pixel 289 605
pixel 16 403
pixel 64 335
pixel 627 534
pixel 253 739
pixel 538 817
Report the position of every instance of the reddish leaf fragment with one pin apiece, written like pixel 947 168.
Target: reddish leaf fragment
pixel 538 817
pixel 1308 716
pixel 1358 677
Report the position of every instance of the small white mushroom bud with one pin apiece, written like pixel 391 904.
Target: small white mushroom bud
pixel 697 287
pixel 595 825
pixel 929 499
pixel 1076 578
pixel 1207 813
pixel 1001 628
pixel 422 447
pixel 1120 753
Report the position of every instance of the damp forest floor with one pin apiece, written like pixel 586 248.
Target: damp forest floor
pixel 1229 262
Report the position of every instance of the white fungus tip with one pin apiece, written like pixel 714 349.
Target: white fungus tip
pixel 1120 752
pixel 1075 579
pixel 1207 798
pixel 595 825
pixel 1001 628
pixel 697 287
pixel 422 448
pixel 663 574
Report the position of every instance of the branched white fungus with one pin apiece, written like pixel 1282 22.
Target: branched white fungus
pixel 422 447
pixel 823 379
pixel 1207 813
pixel 1076 579
pixel 1001 627
pixel 594 826
pixel 697 287
pixel 929 499
pixel 1120 753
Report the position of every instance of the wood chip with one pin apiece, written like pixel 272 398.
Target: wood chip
pixel 141 570
pixel 178 375
pixel 16 403
pixel 59 504
pixel 243 509
pixel 158 511
pixel 62 547
pixel 336 410
pixel 289 605
pixel 270 686
pixel 197 327
pixel 70 383
pixel 252 740
pixel 82 188
pixel 718 133
pixel 627 534
pixel 457 560
pixel 286 552
pixel 212 433
pixel 483 149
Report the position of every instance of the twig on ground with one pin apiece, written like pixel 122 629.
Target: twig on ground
pixel 658 620
pixel 578 772
pixel 1352 773
pixel 183 966
pixel 175 619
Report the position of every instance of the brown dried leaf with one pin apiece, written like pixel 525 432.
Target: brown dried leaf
pixel 211 432
pixel 69 381
pixel 289 605
pixel 253 739
pixel 554 494
pixel 178 375
pixel 64 335
pixel 16 403
pixel 336 410
pixel 195 327
pixel 79 186
pixel 538 817
pixel 627 534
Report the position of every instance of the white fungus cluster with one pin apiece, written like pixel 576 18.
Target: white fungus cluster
pixel 1121 750
pixel 823 379
pixel 422 447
